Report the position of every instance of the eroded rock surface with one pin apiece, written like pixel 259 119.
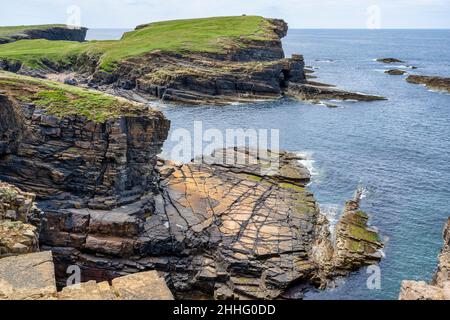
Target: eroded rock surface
pixel 439 288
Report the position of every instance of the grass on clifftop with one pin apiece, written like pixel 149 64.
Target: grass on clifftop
pixel 12 30
pixel 63 100
pixel 193 35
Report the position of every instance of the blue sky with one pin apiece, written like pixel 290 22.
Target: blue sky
pixel 298 13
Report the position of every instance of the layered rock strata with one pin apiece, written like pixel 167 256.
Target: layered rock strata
pixel 439 288
pixel 76 161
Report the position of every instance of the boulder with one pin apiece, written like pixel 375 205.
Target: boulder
pixel 140 286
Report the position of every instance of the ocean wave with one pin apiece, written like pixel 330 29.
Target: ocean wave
pixel 332 212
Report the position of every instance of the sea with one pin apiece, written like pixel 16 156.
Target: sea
pixel 397 150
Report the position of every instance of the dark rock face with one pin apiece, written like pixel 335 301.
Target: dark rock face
pixel 436 83
pixel 51 33
pixel 100 162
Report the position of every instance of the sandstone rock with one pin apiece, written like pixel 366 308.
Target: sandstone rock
pixel 17 238
pixel 27 277
pixel 435 83
pixel 17 210
pixel 439 288
pixel 16 205
pixel 139 286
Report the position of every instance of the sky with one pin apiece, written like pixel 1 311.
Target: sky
pixel 388 14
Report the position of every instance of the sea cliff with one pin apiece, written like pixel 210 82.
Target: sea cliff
pixel 214 228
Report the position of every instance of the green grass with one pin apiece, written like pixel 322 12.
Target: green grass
pixel 213 35
pixel 63 100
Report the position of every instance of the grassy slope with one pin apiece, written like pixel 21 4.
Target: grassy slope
pixel 194 35
pixel 61 100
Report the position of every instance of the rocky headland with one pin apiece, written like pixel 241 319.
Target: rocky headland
pixel 49 32
pixel 439 288
pixel 431 82
pixel 200 61
pixel 214 228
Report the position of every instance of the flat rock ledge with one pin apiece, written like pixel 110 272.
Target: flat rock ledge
pixel 439 288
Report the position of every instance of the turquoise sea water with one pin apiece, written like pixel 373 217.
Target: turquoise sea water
pixel 398 149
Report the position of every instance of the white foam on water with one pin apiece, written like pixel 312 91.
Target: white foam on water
pixel 332 212
pixel 364 192
pixel 308 162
